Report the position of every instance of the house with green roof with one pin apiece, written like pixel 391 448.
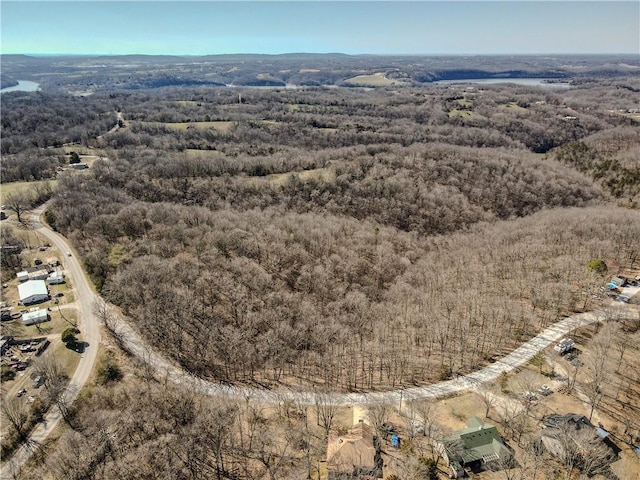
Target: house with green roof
pixel 478 446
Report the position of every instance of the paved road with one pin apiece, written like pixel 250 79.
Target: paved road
pixel 90 333
pixel 89 325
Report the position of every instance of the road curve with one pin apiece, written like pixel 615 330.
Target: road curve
pixel 89 325
pixel 90 334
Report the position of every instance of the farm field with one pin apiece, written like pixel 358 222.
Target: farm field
pixel 23 187
pixel 218 125
pixel 375 80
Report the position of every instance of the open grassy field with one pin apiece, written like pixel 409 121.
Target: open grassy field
pixel 82 150
pixel 187 103
pixel 465 102
pixel 513 107
pixel 194 152
pixel 218 125
pixel 375 80
pixel 325 174
pixel 462 113
pixel 14 187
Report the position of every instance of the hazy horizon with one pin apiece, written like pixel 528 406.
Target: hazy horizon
pixel 200 28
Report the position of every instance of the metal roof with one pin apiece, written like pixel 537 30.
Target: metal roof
pixel 32 287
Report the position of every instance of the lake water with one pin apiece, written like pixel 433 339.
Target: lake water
pixel 23 86
pixel 529 82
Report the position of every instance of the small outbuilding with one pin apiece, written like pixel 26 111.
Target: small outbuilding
pixel 33 291
pixel 38 274
pixel 22 276
pixel 618 282
pixel 35 317
pixel 53 262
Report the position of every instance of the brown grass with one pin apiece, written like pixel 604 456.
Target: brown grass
pixel 376 80
pixel 15 187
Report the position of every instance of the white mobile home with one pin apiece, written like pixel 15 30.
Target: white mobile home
pixel 33 318
pixel 56 278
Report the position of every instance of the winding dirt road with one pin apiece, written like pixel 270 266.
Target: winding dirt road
pixel 90 328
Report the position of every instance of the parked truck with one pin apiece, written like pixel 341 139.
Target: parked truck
pixel 565 345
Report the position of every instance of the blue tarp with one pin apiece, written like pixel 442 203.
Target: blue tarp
pixel 612 286
pixel 601 432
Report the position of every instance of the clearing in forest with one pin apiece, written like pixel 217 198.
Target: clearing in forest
pixel 376 80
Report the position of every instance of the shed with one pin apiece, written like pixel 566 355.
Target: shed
pixel 33 291
pixel 22 276
pixel 53 262
pixel 618 281
pixel 39 274
pixel 35 317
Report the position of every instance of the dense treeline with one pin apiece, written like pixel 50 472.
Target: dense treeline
pixel 30 165
pixel 611 157
pixel 320 119
pixel 313 119
pixel 270 294
pixel 42 120
pixel 430 190
pixel 145 430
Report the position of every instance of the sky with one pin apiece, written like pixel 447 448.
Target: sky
pixel 352 27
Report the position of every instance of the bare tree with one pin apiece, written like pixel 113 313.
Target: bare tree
pixel 584 450
pixel 621 342
pixel 19 203
pixel 489 399
pixel 326 410
pixel 598 368
pixel 107 318
pixel 15 411
pixel 54 382
pixel 378 414
pixel 42 192
pixel 526 383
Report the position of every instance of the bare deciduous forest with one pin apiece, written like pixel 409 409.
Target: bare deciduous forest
pixel 358 239
pixel 352 239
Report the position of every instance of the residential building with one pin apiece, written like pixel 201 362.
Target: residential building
pixel 475 447
pixel 35 317
pixel 56 278
pixel 572 436
pixel 354 456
